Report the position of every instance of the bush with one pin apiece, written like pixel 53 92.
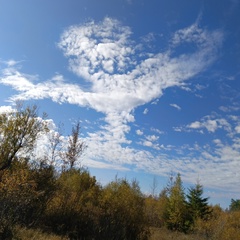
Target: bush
pixel 123 207
pixel 73 210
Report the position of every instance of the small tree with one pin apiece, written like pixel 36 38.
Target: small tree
pixel 75 147
pixel 156 209
pixel 73 209
pixel 235 205
pixel 19 130
pixel 123 206
pixel 55 145
pixel 176 209
pixel 197 204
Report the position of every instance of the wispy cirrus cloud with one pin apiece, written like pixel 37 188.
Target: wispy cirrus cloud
pixel 175 106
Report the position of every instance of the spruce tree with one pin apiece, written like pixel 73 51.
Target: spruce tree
pixel 196 203
pixel 235 205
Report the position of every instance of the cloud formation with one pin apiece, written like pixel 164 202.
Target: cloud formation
pixel 121 76
pixel 175 106
pixel 104 55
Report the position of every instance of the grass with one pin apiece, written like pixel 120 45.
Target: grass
pixel 165 234
pixel 156 234
pixel 34 234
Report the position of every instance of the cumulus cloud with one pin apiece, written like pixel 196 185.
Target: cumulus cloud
pixel 139 132
pixel 152 138
pixel 6 109
pixel 237 129
pixel 211 124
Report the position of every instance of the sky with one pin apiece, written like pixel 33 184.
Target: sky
pixel 155 84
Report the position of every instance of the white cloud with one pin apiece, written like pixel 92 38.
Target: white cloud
pixel 152 138
pixel 194 34
pixel 237 129
pixel 5 109
pixel 99 164
pixel 211 124
pixel 104 55
pixel 175 106
pixel 195 125
pixel 139 132
pixel 218 142
pixel 11 62
pixel 155 102
pixel 147 143
pixel 145 111
pixel 150 141
pixel 58 77
pixel 156 130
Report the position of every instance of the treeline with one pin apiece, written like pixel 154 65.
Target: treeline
pixel 190 213
pixel 69 202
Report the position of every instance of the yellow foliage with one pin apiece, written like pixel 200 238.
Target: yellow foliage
pixel 221 226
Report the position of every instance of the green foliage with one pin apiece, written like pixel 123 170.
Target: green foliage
pixel 235 205
pixel 33 195
pixel 73 209
pixel 156 209
pixel 18 132
pixel 75 148
pixel 220 226
pixel 197 205
pixel 152 212
pixel 177 215
pixel 20 199
pixel 123 207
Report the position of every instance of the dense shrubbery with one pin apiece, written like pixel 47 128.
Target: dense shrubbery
pixel 37 198
pixel 71 204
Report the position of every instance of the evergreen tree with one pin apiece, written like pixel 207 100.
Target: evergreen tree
pixel 235 205
pixel 197 204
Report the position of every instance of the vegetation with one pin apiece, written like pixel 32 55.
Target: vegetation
pixel 40 201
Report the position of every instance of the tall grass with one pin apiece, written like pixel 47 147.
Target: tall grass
pixel 34 234
pixel 165 234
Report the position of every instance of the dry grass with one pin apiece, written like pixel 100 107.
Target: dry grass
pixel 164 234
pixel 34 234
pixel 156 234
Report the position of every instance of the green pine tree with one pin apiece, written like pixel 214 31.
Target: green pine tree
pixel 196 203
pixel 235 205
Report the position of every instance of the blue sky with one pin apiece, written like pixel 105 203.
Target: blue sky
pixel 154 83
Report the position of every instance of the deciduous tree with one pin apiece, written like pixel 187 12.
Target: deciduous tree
pixel 176 209
pixel 75 147
pixel 19 130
